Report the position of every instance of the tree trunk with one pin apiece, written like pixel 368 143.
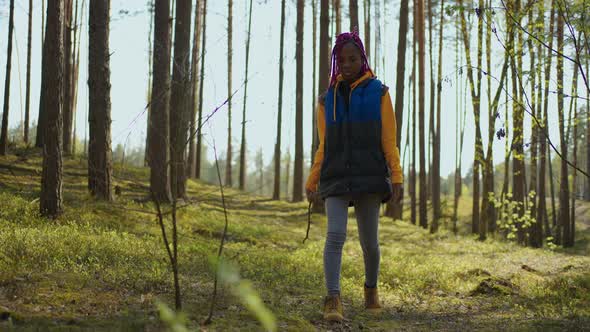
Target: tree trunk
pixel 100 165
pixel 574 123
pixel 4 131
pixel 315 140
pixel 277 155
pixel 298 165
pixel 28 83
pixel 76 69
pixel 541 194
pixel 67 106
pixel 179 98
pixel 353 8
pixel 436 152
pixel 194 83
pixel 337 8
pixel 323 79
pixel 52 74
pixel 421 100
pixel 475 97
pixel 395 210
pixel 150 6
pixel 534 239
pixel 413 188
pixel 243 145
pixel 201 77
pixel 587 189
pixel 432 98
pixel 159 106
pixel 367 8
pixel 229 153
pixel 564 211
pixel 488 212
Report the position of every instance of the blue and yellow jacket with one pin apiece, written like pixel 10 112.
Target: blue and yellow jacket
pixel 357 150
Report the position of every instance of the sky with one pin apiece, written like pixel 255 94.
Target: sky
pixel 130 64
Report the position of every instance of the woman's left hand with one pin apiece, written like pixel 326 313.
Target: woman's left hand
pixel 398 193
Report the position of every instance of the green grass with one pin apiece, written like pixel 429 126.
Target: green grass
pixel 102 266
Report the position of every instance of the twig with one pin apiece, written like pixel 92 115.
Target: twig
pixel 214 295
pixel 308 221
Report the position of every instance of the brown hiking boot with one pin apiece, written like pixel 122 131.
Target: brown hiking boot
pixel 333 308
pixel 372 300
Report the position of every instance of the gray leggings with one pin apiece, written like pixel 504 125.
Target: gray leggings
pixel 366 209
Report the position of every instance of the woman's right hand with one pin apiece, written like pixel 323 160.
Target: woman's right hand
pixel 310 195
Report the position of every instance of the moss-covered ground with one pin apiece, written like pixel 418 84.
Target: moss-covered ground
pixel 102 266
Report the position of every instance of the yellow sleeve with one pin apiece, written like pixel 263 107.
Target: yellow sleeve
pixel 388 139
pixel 314 175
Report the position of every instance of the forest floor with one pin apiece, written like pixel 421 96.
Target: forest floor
pixel 101 267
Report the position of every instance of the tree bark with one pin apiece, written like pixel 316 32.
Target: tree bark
pixel 243 145
pixel 475 97
pixel 367 8
pixel 201 79
pixel 353 8
pixel 4 130
pixel 194 83
pixel 436 153
pixel 67 106
pixel 564 211
pixel 277 155
pixel 413 189
pixel 52 75
pixel 337 7
pixel 179 98
pixel 314 92
pixel 28 82
pixel 394 209
pixel 100 165
pixel 159 128
pixel 298 165
pixel 421 99
pixel 229 153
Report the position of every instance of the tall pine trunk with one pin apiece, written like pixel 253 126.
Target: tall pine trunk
pixel 367 8
pixel 4 130
pixel 413 188
pixel 160 105
pixel 229 152
pixel 475 97
pixel 194 83
pixel 394 209
pixel 436 148
pixel 28 79
pixel 353 8
pixel 314 129
pixel 421 100
pixel 574 123
pixel 100 165
pixel 179 98
pixel 277 155
pixel 337 9
pixel 564 211
pixel 150 5
pixel 52 74
pixel 243 144
pixel 541 194
pixel 198 158
pixel 298 165
pixel 67 106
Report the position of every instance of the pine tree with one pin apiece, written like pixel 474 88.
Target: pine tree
pixel 277 154
pixel 243 145
pixel 4 131
pixel 52 75
pixel 298 165
pixel 159 128
pixel 100 166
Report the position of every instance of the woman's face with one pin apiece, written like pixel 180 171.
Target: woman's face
pixel 350 62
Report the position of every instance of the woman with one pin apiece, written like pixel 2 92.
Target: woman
pixel 357 163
